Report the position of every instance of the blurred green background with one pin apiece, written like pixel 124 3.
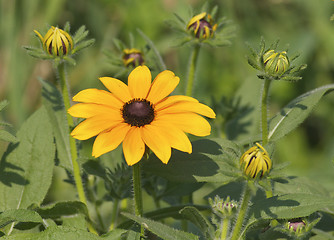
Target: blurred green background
pixel 302 25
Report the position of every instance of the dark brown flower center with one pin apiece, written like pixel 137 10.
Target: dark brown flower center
pixel 138 112
pixel 136 59
pixel 203 25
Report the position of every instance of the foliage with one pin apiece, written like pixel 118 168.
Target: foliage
pixel 40 171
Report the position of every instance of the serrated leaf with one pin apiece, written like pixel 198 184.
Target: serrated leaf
pixel 161 230
pixel 83 45
pixel 296 112
pixel 290 206
pixel 18 215
pixel 57 210
pixel 53 102
pixel 209 162
pixel 8 137
pixel 26 168
pixel 197 218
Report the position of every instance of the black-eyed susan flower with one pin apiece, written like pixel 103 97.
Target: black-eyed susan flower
pixel 276 63
pixel 202 25
pixel 255 161
pixel 140 114
pixel 56 41
pixel 132 57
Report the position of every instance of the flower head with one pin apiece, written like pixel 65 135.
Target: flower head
pixel 276 63
pixel 133 57
pixel 140 114
pixel 201 26
pixel 56 41
pixel 254 161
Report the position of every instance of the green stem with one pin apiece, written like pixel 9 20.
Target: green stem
pixel 225 223
pixel 192 68
pixel 114 214
pixel 138 193
pixel 73 147
pixel 264 110
pixel 242 212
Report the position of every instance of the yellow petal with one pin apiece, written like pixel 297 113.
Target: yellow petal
pixel 93 95
pixel 133 146
pixel 108 141
pixel 117 87
pixel 188 122
pixel 176 137
pixel 87 110
pixel 173 99
pixel 139 82
pixel 162 86
pixel 157 141
pixel 94 125
pixel 181 107
pixel 196 18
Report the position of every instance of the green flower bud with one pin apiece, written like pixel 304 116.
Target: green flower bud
pixel 224 208
pixel 56 42
pixel 275 63
pixel 202 28
pixel 133 57
pixel 255 162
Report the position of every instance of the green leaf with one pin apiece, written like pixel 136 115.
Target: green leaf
pixel 197 218
pixel 53 102
pixel 56 233
pixel 18 215
pixel 296 112
pixel 211 161
pixel 161 230
pixel 6 136
pixel 289 206
pixel 26 167
pixel 3 104
pixel 114 234
pixel 57 210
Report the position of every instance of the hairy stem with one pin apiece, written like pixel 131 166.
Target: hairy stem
pixel 264 110
pixel 191 69
pixel 225 224
pixel 138 193
pixel 73 147
pixel 242 212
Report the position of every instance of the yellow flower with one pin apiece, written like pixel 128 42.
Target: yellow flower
pixel 133 57
pixel 276 63
pixel 140 114
pixel 202 28
pixel 255 160
pixel 56 41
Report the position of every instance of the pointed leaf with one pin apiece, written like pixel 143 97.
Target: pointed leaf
pixel 296 112
pixel 26 167
pixel 161 230
pixel 53 102
pixel 57 210
pixel 197 218
pixel 211 161
pixel 288 206
pixel 18 215
pixel 6 136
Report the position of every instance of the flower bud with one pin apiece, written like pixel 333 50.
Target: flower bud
pixel 201 27
pixel 255 161
pixel 225 208
pixel 133 57
pixel 275 63
pixel 56 42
